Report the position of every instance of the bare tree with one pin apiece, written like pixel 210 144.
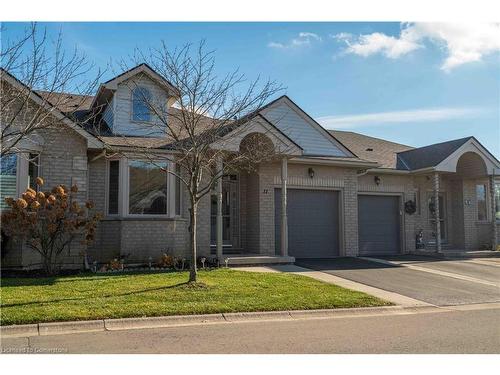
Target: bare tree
pixel 42 69
pixel 208 114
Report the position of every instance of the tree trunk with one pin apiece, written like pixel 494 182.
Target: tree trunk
pixel 193 272
pixel 47 265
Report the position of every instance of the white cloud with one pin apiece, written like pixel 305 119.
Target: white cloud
pixel 463 43
pixel 303 39
pixel 275 45
pixel 407 116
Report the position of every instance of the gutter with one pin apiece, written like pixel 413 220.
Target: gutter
pixel 343 163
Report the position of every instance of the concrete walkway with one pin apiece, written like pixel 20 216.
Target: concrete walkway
pixel 395 298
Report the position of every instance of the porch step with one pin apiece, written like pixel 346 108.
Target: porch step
pixel 254 260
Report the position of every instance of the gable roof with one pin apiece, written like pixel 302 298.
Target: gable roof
pixel 428 156
pixel 92 141
pixel 106 88
pixel 303 129
pixel 371 148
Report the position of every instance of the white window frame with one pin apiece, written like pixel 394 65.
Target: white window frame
pixel 126 189
pixel 22 170
pixel 132 119
pixel 181 190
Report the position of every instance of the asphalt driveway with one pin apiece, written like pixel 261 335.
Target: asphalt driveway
pixel 428 287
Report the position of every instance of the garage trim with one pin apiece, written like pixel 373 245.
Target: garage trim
pixel 341 210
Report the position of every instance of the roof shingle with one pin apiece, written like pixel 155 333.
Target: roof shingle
pixel 371 148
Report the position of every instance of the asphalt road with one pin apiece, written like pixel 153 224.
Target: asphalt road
pixel 476 331
pixel 435 289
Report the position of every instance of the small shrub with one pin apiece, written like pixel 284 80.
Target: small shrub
pixel 166 261
pixel 115 265
pixel 49 221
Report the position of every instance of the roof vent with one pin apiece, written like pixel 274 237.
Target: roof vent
pixel 369 149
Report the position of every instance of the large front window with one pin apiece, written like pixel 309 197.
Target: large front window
pixel 147 188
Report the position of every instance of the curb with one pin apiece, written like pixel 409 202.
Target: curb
pixel 60 328
pixel 161 321
pixel 24 330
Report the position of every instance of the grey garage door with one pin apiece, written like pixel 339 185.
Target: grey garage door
pixel 313 223
pixel 379 225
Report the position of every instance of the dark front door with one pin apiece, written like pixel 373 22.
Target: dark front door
pixel 378 225
pixel 313 223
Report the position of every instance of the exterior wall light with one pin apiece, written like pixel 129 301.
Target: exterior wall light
pixel 377 180
pixel 310 172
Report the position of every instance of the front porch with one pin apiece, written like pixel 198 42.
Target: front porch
pixel 457 204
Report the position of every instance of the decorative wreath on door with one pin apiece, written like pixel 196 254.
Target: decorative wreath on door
pixel 410 207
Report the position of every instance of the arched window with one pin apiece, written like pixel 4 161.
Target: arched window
pixel 141 102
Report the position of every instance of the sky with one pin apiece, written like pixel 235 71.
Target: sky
pixel 411 83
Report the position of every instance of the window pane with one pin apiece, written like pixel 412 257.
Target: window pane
pixel 8 172
pixel 34 163
pixel 497 200
pixel 114 174
pixel 140 108
pixel 481 202
pixel 178 188
pixel 147 188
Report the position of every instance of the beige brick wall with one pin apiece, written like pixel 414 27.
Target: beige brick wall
pixel 62 161
pixel 330 178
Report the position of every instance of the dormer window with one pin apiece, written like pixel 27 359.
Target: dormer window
pixel 141 101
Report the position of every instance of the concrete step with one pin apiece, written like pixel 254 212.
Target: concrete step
pixel 258 260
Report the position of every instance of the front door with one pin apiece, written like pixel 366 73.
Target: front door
pixel 230 213
pixel 442 215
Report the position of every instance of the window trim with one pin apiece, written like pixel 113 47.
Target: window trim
pixel 39 170
pixel 126 191
pixel 181 191
pixel 132 101
pixel 22 170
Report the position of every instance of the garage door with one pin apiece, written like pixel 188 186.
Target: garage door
pixel 379 225
pixel 313 223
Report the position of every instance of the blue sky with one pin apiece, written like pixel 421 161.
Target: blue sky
pixel 410 83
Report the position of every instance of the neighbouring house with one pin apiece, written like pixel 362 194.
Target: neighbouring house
pixel 347 194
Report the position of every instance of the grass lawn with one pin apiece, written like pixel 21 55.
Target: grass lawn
pixel 32 300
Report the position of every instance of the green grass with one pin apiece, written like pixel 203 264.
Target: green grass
pixel 32 300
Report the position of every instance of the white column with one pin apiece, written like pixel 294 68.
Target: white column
pixel 284 217
pixel 494 230
pixel 219 211
pixel 436 212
